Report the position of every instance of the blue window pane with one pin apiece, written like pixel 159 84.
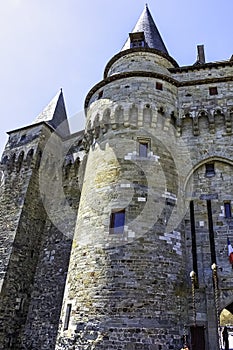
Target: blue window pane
pixel 227 208
pixel 117 222
pixel 143 148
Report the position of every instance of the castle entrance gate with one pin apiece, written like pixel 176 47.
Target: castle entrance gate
pixel 197 337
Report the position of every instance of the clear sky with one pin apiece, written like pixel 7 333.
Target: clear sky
pixel 46 45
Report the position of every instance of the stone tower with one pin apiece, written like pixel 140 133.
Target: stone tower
pixel 143 195
pixel 34 253
pixel 127 261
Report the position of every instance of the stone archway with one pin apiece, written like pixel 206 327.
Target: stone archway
pixel 226 316
pixel 226 319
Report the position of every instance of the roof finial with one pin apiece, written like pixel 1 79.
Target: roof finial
pixel 146 5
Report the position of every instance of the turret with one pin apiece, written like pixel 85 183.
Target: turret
pixel 23 231
pixel 126 261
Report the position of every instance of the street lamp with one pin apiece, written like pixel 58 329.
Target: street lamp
pixel 214 268
pixel 193 280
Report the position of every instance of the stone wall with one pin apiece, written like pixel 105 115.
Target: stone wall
pixel 38 189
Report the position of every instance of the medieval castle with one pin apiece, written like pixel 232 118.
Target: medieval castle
pixel 115 237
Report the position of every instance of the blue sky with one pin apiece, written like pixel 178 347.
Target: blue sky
pixel 46 45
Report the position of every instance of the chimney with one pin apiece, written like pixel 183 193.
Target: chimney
pixel 200 54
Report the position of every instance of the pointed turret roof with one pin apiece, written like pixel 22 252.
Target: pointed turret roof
pixel 55 115
pixel 147 25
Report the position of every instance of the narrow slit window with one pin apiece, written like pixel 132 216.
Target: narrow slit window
pixel 100 95
pixel 159 86
pixel 213 90
pixel 67 317
pixel 143 148
pixel 117 222
pixel 227 209
pixel 209 169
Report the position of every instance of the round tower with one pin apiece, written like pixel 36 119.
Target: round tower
pixel 125 286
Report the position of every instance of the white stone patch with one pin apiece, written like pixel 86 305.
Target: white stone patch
pixel 1 284
pixel 222 214
pixel 154 157
pixel 201 223
pixel 177 248
pixel 127 157
pixel 174 238
pixel 135 155
pixel 79 154
pixel 103 189
pixel 169 195
pixel 125 185
pixel 162 238
pixel 141 199
pixel 131 234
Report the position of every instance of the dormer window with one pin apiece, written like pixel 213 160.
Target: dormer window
pixel 137 39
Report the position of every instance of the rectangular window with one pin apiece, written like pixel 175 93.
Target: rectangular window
pixel 143 148
pixel 117 222
pixel 213 90
pixel 159 86
pixel 209 169
pixel 67 317
pixel 227 209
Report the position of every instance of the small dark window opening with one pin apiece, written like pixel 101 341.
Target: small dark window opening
pixel 209 169
pixel 159 86
pixel 227 209
pixel 213 90
pixel 23 137
pixel 170 202
pixel 173 119
pixel 137 43
pixel 10 341
pixel 100 94
pixel 137 39
pixel 117 222
pixel 143 148
pixel 67 317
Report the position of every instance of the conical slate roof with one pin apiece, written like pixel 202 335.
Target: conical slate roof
pixel 55 115
pixel 147 25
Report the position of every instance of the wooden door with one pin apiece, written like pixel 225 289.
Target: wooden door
pixel 197 337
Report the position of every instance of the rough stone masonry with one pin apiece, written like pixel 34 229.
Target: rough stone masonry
pixel 101 229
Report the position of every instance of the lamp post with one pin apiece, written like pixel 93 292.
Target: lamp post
pixel 193 279
pixel 214 268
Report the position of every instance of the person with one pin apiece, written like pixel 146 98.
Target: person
pixel 225 338
pixel 186 347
